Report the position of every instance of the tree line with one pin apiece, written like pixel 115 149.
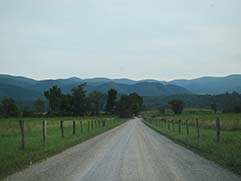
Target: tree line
pixel 77 103
pixel 224 103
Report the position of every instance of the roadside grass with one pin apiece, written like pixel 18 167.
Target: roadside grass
pixel 13 158
pixel 206 119
pixel 227 153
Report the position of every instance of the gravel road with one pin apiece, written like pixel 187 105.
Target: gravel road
pixel 131 151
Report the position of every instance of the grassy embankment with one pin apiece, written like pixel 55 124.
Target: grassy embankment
pixel 13 158
pixel 227 153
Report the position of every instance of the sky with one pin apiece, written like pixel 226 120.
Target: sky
pixel 137 39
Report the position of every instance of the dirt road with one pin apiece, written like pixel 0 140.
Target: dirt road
pixel 131 151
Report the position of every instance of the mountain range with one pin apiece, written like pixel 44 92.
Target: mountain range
pixel 24 88
pixel 211 85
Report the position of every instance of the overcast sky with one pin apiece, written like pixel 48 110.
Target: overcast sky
pixel 161 39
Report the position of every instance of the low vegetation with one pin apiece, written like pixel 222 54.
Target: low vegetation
pixel 226 153
pixel 13 157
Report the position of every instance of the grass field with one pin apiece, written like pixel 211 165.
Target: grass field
pixel 13 158
pixel 227 153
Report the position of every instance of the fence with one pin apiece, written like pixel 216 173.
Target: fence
pixel 65 128
pixel 170 125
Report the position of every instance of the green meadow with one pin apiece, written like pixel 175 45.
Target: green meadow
pixel 226 153
pixel 14 158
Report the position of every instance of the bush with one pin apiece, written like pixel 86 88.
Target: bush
pixel 177 106
pixel 8 108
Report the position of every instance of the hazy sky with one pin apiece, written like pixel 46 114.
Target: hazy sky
pixel 161 39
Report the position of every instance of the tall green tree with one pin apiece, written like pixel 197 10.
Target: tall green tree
pixel 124 106
pixel 96 101
pixel 79 100
pixel 231 102
pixel 136 102
pixel 129 105
pixel 9 107
pixel 54 97
pixel 111 101
pixel 177 106
pixel 67 106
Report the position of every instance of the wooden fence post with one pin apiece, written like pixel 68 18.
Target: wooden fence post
pixel 81 126
pixel 62 128
pixel 92 124
pixel 187 126
pixel 102 123
pixel 168 124
pixel 95 124
pixel 99 123
pixel 179 125
pixel 198 134
pixel 74 127
pixel 21 125
pixel 218 128
pixel 44 131
pixel 173 128
pixel 88 125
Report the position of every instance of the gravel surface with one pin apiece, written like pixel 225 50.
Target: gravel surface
pixel 131 151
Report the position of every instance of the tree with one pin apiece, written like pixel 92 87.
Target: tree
pixel 111 101
pixel 129 105
pixel 214 107
pixel 231 103
pixel 67 107
pixel 124 106
pixel 39 105
pixel 177 106
pixel 54 97
pixel 136 102
pixel 8 107
pixel 96 101
pixel 79 100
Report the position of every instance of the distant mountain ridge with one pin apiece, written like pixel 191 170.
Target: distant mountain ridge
pixel 211 85
pixel 19 87
pixel 24 88
pixel 142 88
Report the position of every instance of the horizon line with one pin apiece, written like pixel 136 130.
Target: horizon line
pixel 119 78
